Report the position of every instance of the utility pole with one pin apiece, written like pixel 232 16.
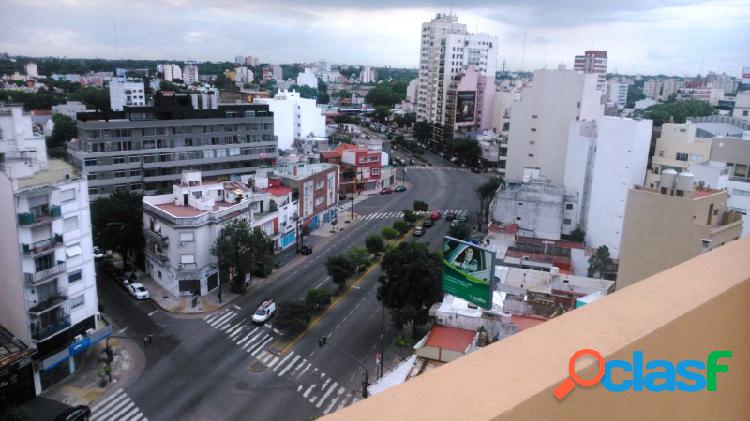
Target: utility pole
pixel 366 382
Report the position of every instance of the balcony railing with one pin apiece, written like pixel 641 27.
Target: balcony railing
pixel 155 236
pixel 43 246
pixel 39 216
pixel 40 333
pixel 48 304
pixel 43 274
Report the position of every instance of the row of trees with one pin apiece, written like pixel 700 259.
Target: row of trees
pixel 679 110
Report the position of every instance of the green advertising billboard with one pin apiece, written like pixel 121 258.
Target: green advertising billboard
pixel 467 271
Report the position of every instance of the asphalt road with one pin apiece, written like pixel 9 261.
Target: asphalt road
pixel 219 366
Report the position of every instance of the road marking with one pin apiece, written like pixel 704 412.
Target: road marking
pixel 123 410
pixel 307 392
pixel 289 355
pixel 116 405
pixel 255 338
pixel 325 395
pixel 121 331
pixel 152 313
pixel 288 367
pixel 109 398
pixel 236 306
pixel 333 402
pixel 299 387
pixel 131 413
pixel 296 369
pixel 305 370
pixel 344 401
pixel 223 319
pixel 247 336
pixel 273 361
pixel 259 348
pixel 322 282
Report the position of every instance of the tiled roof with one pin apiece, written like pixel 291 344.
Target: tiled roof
pixel 452 338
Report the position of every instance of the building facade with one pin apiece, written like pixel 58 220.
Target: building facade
pixel 124 93
pixel 145 149
pixel 190 73
pixel 307 78
pixel 676 148
pixel 294 117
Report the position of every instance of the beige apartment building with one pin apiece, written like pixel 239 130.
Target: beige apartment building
pixel 677 148
pixel 670 225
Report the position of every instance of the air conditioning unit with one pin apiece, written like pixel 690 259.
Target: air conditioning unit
pixel 89 331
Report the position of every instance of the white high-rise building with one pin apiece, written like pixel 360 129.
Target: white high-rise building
pixel 170 72
pixel 190 72
pixel 652 88
pixel 307 78
pixel 617 93
pixel 605 159
pixel 124 93
pixel 242 74
pixel 294 117
pixel 49 297
pixel 31 70
pixel 447 48
pixel 540 120
pixel 368 75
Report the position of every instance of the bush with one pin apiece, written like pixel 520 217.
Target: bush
pixel 339 267
pixel 318 298
pixel 420 206
pixel 375 244
pixel 359 258
pixel 389 233
pixel 293 317
pixel 460 231
pixel 410 217
pixel 401 226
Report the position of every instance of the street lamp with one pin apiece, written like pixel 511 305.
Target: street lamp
pixel 324 341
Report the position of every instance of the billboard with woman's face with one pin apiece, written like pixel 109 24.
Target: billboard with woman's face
pixel 467 271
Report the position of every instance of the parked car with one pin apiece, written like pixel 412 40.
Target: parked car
pixel 418 231
pixel 400 189
pixel 137 290
pixel 427 223
pixel 475 170
pixel 264 311
pixel 76 413
pixel 449 216
pixel 463 217
pixel 386 190
pixel 435 215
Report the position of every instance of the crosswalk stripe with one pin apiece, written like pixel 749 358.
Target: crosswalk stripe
pixel 333 402
pixel 345 400
pixel 119 404
pixel 260 347
pixel 288 367
pixel 289 355
pixel 302 363
pixel 131 413
pixel 305 370
pixel 109 398
pixel 273 361
pixel 224 318
pixel 138 417
pixel 243 340
pixel 123 410
pixel 307 392
pixel 120 398
pixel 255 338
pixel 325 395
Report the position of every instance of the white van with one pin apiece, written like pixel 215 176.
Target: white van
pixel 264 312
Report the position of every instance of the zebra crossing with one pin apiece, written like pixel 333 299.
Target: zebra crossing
pixel 117 407
pixel 400 214
pixel 320 390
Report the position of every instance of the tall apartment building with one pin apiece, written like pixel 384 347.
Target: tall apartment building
pixel 617 93
pixel 307 78
pixel 594 62
pixel 540 120
pixel 605 159
pixel 31 70
pixel 252 61
pixel 447 48
pixel 667 226
pixel 368 75
pixel 125 93
pixel 652 88
pixel 469 104
pixel 294 117
pixel 742 106
pixel 190 72
pixel 169 72
pixel 145 149
pixel 670 87
pixel 677 148
pixel 272 72
pixel 49 297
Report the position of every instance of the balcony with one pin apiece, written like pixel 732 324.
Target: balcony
pixel 42 332
pixel 39 215
pixel 42 246
pixel 156 237
pixel 48 304
pixel 44 274
pixel 682 313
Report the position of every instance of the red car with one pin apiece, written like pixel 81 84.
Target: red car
pixel 435 215
pixel 386 190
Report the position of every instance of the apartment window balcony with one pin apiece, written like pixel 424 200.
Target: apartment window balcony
pixel 42 246
pixel 44 273
pixel 39 215
pixel 49 324
pixel 156 237
pixel 48 304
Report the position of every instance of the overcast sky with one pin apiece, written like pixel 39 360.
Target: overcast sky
pixel 677 37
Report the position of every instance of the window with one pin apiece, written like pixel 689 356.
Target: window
pixel 567 221
pixel 531 155
pixel 569 206
pixel 93 191
pixel 67 195
pixel 76 301
pixel 696 157
pixel 74 250
pixel 533 116
pixel 187 259
pixel 91 162
pixel 70 223
pixel 186 237
pixel 75 276
pixel 120 174
pixel 134 158
pixel 121 188
pixel 118 160
pixel 533 129
pixel 136 187
pixel 681 156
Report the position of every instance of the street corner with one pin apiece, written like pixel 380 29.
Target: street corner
pixel 257 367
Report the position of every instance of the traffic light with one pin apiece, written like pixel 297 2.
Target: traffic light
pixel 322 341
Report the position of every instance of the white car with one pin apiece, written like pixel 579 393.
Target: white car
pixel 264 312
pixel 137 290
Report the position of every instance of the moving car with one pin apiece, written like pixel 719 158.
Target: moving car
pixel 264 312
pixel 76 413
pixel 449 216
pixel 400 189
pixel 463 217
pixel 418 231
pixel 427 223
pixel 435 215
pixel 137 290
pixel 386 190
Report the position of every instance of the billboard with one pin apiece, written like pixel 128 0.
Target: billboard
pixel 465 104
pixel 468 271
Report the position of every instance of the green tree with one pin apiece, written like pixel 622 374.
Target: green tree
pixel 375 244
pixel 63 130
pixel 412 283
pixel 383 95
pixel 339 267
pixel 317 298
pixel 293 317
pixel 96 98
pixel 305 91
pixel 359 258
pixel 467 151
pixel 117 222
pixel 241 250
pixel 486 192
pixel 381 113
pixel 420 205
pixel 169 86
pixel 460 231
pixel 410 216
pixel 389 233
pixel 600 262
pixel 422 131
pixel 401 226
pixel 679 110
pixel 635 93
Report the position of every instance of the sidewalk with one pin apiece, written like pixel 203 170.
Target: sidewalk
pixel 168 302
pixel 84 386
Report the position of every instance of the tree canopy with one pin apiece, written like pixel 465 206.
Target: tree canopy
pixel 383 95
pixel 486 191
pixel 242 250
pixel 339 268
pixel 412 283
pixel 117 222
pixel 63 130
pixel 467 151
pixel 680 110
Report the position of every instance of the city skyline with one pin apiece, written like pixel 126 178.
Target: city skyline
pixel 640 38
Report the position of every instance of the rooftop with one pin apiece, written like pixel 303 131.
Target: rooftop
pixel 547 282
pixel 695 194
pixel 57 170
pixel 452 338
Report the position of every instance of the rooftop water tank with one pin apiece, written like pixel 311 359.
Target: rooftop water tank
pixel 684 181
pixel 667 178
